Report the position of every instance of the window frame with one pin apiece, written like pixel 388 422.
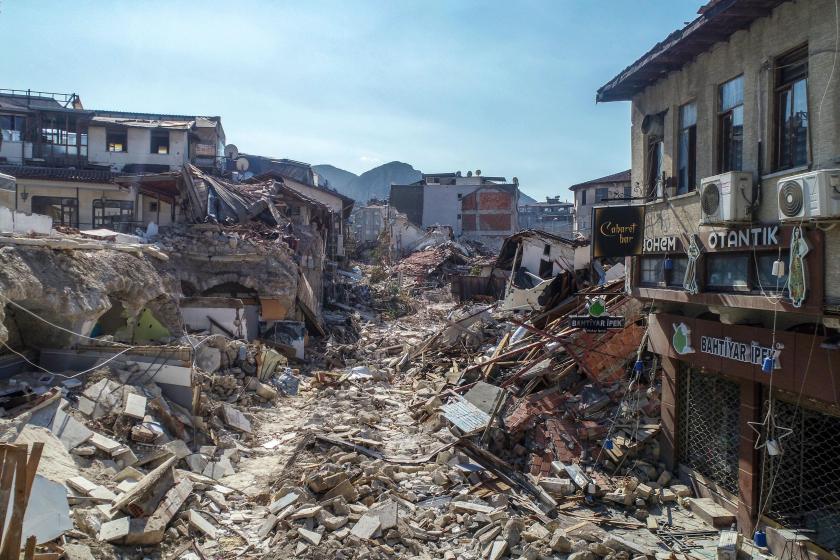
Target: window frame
pixel 157 136
pixel 101 219
pixel 754 285
pixel 724 155
pixel 667 278
pixel 602 194
pixel 655 150
pixel 110 143
pixel 67 206
pixel 798 56
pixel 691 164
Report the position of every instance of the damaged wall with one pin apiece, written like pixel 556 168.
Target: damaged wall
pixel 74 289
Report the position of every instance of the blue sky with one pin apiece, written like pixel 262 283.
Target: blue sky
pixel 505 87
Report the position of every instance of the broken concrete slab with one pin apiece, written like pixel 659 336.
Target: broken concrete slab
pixel 365 527
pixel 197 521
pixel 283 502
pixel 312 537
pixel 67 429
pixel 219 469
pixel 235 419
pixel 178 448
pixel 115 530
pixel 135 406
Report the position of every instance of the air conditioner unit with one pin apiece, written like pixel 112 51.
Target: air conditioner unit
pixel 810 196
pixel 725 198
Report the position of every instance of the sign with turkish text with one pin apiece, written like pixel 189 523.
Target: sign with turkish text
pixel 596 320
pixel 663 244
pixel 617 231
pixel 752 353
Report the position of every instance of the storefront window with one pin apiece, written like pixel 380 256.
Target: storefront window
pixel 728 272
pixel 63 211
pixel 654 271
pixel 764 272
pixel 110 213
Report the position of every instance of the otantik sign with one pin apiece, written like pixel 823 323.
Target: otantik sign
pixel 618 231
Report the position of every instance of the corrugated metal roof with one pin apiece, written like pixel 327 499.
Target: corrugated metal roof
pixel 143 123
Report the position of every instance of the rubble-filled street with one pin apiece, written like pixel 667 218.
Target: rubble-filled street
pixel 419 428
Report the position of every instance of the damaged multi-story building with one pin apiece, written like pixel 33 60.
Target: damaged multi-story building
pixel 735 153
pixel 170 241
pixel 476 207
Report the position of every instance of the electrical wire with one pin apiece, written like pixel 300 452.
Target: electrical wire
pixel 45 370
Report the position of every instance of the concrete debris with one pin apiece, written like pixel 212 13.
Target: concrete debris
pixel 414 427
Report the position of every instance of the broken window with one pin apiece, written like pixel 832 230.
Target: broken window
pixel 57 140
pixel 791 109
pixel 117 141
pixel 731 125
pixel 547 249
pixel 160 142
pixel 687 149
pixel 63 211
pixel 546 269
pixel 12 127
pixel 110 213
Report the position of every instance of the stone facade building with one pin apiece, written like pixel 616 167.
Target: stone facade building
pixel 735 150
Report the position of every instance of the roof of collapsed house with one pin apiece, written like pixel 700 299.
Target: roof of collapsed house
pixel 717 21
pixel 509 247
pixel 213 199
pixel 129 122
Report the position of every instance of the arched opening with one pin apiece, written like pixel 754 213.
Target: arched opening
pixel 188 289
pixel 113 322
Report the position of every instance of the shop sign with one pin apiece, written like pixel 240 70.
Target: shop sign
pixel 752 353
pixel 742 238
pixel 596 320
pixel 617 231
pixel 664 244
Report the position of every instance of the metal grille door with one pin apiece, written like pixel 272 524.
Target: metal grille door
pixel 708 430
pixel 805 478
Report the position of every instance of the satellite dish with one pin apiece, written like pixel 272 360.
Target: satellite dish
pixel 242 164
pixel 231 151
pixel 516 181
pixel 478 172
pixel 469 173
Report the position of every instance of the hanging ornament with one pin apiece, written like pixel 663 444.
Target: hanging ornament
pixel 769 434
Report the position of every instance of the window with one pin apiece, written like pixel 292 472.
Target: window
pixel 61 210
pixel 12 127
pixel 764 272
pixel 160 142
pixel 687 149
pixel 153 206
pixel 728 271
pixel 546 269
pixel 602 194
pixel 547 249
pixel 628 192
pixel 791 110
pixel 655 156
pixel 117 141
pixel 583 198
pixel 731 125
pixel 109 213
pixel 654 272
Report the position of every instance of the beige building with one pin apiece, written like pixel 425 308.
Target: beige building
pixel 735 155
pixel 611 189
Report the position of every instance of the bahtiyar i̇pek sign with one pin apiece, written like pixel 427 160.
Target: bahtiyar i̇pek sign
pixel 725 347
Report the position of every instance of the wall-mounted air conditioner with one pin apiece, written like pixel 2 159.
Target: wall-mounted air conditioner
pixel 810 196
pixel 726 198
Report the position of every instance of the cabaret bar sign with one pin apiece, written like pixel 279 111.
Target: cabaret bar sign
pixel 752 353
pixel 761 236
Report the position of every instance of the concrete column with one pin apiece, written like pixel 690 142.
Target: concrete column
pixel 749 465
pixel 669 411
